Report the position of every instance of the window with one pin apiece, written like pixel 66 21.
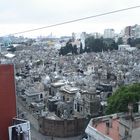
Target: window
pixel 63 98
pixel 41 96
pixel 75 106
pixel 78 107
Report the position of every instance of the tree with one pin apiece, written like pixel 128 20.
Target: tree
pixel 81 48
pixel 67 49
pixel 114 46
pixel 119 101
pixel 138 46
pixel 91 45
pixel 74 49
pixel 137 42
pixel 99 44
pixel 131 42
pixel 120 41
pixel 110 44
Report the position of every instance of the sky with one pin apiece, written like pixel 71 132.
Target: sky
pixel 20 15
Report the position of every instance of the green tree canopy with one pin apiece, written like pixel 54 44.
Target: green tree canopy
pixel 133 42
pixel 119 101
pixel 120 41
pixel 91 45
pixel 99 44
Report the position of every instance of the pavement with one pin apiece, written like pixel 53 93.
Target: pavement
pixel 38 136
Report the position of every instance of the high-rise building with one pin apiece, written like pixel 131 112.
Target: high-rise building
pixel 136 31
pixel 132 31
pixel 96 35
pixel 7 99
pixel 128 31
pixel 109 33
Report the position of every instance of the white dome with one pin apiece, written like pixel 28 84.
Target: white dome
pixel 58 94
pixel 55 73
pixel 78 95
pixel 127 74
pixel 46 80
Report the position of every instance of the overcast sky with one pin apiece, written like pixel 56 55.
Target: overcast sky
pixel 19 15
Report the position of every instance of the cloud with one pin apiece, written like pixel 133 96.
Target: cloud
pixel 38 13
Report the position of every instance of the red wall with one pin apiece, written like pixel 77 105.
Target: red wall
pixel 7 99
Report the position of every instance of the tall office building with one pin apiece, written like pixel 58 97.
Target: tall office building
pixel 7 99
pixel 128 31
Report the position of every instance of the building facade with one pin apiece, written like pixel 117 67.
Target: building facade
pixel 7 99
pixel 109 33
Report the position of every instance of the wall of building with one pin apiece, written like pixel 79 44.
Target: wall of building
pixel 7 99
pixel 109 33
pixel 62 128
pixel 54 90
pixel 33 98
pixel 67 96
pixel 94 134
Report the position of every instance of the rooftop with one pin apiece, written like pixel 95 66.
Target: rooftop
pixel 31 91
pixel 69 89
pixel 110 127
pixel 113 132
pixel 104 128
pixel 58 84
pixel 9 55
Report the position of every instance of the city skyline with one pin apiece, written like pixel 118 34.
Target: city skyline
pixel 25 15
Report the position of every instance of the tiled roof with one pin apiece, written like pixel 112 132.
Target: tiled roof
pixel 113 131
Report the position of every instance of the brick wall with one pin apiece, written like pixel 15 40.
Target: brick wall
pixel 62 128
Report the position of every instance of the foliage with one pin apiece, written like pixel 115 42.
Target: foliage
pixel 118 102
pixel 81 48
pixel 120 41
pixel 68 49
pixel 91 45
pixel 99 44
pixel 133 42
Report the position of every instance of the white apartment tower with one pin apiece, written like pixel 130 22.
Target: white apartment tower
pixel 109 33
